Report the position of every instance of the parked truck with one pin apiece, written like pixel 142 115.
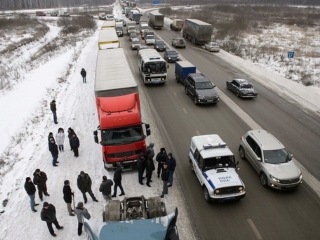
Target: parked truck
pixel 108 39
pixel 183 69
pixel 134 218
pixel 198 32
pixel 134 15
pixel 122 135
pixel 156 20
pixel 108 24
pixel 176 24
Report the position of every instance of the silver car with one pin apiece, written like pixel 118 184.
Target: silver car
pixel 212 47
pixel 270 159
pixel 178 42
pixel 135 43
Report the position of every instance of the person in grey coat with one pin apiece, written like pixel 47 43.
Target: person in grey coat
pixel 81 212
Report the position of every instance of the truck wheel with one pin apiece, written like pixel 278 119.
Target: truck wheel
pixel 186 90
pixel 206 194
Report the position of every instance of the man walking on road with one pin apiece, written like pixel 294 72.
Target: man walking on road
pixel 84 75
pixel 53 109
pixel 31 191
pixel 171 167
pixel 84 184
pixel 48 214
pixel 81 212
pixel 105 188
pixel 117 178
pixel 40 179
pixel 67 196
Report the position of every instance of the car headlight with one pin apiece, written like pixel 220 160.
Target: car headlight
pixel 274 179
pixel 300 177
pixel 169 57
pixel 240 189
pixel 200 97
pixel 178 58
pixel 216 191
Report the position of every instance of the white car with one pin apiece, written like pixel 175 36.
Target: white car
pixel 212 47
pixel 214 165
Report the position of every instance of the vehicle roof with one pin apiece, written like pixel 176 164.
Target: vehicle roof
pixel 159 41
pixel 106 35
pixel 113 72
pixel 151 55
pixel 199 77
pixel 211 141
pixel 135 39
pixel 199 22
pixel 242 81
pixel 178 38
pixel 265 139
pixel 213 43
pixel 185 64
pixel 171 51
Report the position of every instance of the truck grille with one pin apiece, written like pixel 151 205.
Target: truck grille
pixel 229 190
pixel 124 154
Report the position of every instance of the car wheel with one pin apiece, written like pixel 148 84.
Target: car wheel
pixel 195 100
pixel 186 90
pixel 242 153
pixel 206 194
pixel 263 180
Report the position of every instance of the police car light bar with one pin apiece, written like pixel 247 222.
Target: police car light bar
pixel 216 145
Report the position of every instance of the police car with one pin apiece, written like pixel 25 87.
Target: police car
pixel 214 165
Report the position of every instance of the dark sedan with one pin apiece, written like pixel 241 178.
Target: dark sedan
pixel 159 45
pixel 171 55
pixel 242 88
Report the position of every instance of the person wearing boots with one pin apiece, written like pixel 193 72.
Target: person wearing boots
pixel 40 179
pixel 31 191
pixel 117 178
pixel 161 158
pixel 67 196
pixel 105 188
pixel 48 214
pixel 84 184
pixel 150 168
pixel 164 178
pixel 81 213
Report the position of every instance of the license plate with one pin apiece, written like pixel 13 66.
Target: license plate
pixel 156 79
pixel 229 198
pixel 209 100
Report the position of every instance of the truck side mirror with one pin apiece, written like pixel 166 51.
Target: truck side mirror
pixel 148 130
pixel 95 133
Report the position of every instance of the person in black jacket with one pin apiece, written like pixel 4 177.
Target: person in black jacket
pixel 75 144
pixel 117 178
pixel 84 184
pixel 53 109
pixel 141 165
pixel 48 214
pixel 53 148
pixel 84 75
pixel 171 161
pixel 150 168
pixel 67 196
pixel 105 188
pixel 161 158
pixel 165 178
pixel 70 134
pixel 40 179
pixel 31 191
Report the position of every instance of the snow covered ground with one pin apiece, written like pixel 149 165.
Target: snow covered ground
pixel 26 120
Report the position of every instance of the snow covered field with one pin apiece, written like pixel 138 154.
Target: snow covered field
pixel 26 120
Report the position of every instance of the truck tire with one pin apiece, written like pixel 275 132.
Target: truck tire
pixel 112 211
pixel 155 207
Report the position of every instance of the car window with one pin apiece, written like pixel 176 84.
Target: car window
pixel 197 156
pixel 204 85
pixel 258 151
pixel 251 143
pixel 246 86
pixel 276 156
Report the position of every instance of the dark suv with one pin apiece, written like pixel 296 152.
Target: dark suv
pixel 201 89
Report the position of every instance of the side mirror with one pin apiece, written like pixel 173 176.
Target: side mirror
pixel 95 133
pixel 148 130
pixel 258 159
pixel 96 139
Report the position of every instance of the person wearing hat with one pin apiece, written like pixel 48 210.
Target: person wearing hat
pixel 81 212
pixel 40 179
pixel 105 188
pixel 117 178
pixel 84 75
pixel 164 178
pixel 48 215
pixel 171 161
pixel 67 196
pixel 84 184
pixel 53 109
pixel 53 148
pixel 31 191
pixel 161 158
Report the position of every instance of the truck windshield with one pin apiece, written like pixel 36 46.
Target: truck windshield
pixel 155 67
pixel 119 136
pixel 218 162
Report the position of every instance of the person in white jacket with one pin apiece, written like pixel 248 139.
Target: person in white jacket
pixel 60 139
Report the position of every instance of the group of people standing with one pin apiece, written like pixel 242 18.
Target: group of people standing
pixel 56 144
pixel 166 167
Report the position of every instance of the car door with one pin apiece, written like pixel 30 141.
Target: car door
pixel 253 153
pixel 198 164
pixel 233 86
pixel 188 85
pixel 192 87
